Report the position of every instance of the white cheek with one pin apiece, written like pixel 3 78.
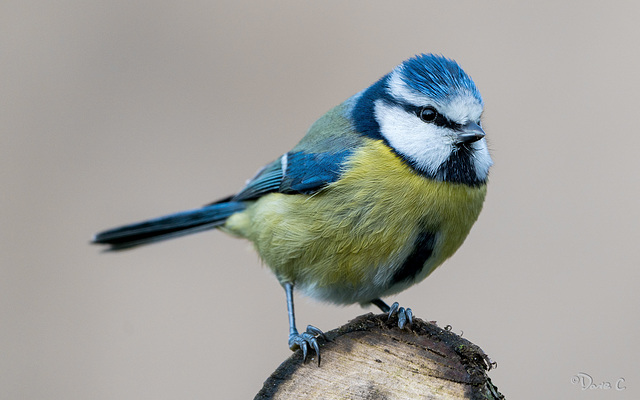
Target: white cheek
pixel 426 145
pixel 481 159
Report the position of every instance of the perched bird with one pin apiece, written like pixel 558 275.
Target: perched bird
pixel 380 191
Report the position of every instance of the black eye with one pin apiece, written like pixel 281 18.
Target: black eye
pixel 427 114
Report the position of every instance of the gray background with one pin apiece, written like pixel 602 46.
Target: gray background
pixel 117 111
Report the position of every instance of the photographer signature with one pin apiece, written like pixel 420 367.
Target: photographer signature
pixel 586 382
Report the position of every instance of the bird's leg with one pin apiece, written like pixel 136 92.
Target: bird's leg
pixel 306 339
pixel 405 316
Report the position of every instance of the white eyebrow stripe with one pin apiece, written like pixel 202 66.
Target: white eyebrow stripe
pixel 401 92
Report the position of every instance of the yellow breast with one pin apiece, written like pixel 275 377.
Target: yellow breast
pixel 344 243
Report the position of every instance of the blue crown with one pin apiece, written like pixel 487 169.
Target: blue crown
pixel 437 77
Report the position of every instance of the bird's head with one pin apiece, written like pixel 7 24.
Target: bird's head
pixel 428 111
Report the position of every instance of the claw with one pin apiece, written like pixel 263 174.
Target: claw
pixel 305 340
pixel 314 343
pixel 405 316
pixel 402 317
pixel 393 309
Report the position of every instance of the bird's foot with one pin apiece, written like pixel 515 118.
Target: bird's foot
pixel 405 316
pixel 305 340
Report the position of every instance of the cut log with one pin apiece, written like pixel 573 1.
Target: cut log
pixel 371 358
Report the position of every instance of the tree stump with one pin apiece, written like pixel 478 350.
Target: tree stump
pixel 371 358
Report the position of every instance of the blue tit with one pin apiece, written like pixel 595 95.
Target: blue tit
pixel 380 191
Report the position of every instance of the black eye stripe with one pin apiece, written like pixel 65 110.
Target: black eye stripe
pixel 439 120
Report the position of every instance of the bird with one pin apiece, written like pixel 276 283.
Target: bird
pixel 378 193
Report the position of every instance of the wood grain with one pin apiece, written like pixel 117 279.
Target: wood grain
pixel 371 358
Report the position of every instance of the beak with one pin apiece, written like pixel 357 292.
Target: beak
pixel 469 133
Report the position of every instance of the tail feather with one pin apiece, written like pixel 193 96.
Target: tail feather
pixel 168 227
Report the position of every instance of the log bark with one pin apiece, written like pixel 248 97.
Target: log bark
pixel 371 358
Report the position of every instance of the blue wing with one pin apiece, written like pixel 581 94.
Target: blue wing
pixel 296 172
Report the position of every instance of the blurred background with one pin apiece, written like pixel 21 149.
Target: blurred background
pixel 117 111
